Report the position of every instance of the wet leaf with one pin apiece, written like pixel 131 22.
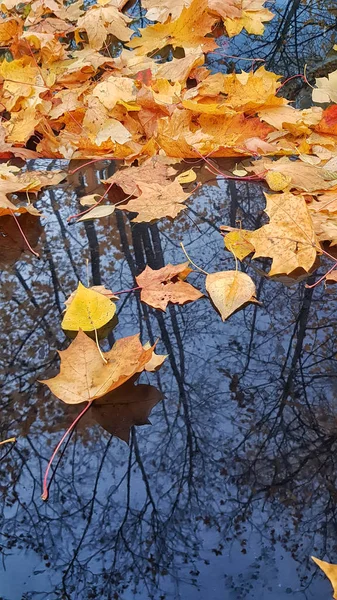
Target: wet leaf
pixel 330 571
pixel 229 291
pixel 84 376
pixel 88 310
pixel 161 286
pixel 104 210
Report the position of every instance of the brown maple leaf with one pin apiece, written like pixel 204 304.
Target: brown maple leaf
pixel 84 376
pixel 159 287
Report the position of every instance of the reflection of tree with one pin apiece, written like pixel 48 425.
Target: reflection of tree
pixel 243 442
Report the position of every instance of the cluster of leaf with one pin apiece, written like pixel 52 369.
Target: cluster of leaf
pixel 74 84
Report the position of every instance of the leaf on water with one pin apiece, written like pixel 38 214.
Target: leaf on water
pixel 125 407
pixel 155 361
pixel 161 286
pixel 230 291
pixel 84 376
pixel 89 200
pixel 104 210
pixel 187 176
pixel 330 571
pixel 157 202
pixel 238 243
pixel 88 310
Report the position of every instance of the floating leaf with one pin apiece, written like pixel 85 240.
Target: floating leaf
pixel 84 376
pixel 161 286
pixel 330 571
pixel 103 210
pixel 229 291
pixel 89 310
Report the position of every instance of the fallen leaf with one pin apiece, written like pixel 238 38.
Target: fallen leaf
pixel 125 407
pixel 88 310
pixel 161 286
pixel 230 291
pixel 104 210
pixel 157 201
pixel 289 238
pixel 187 176
pixel 156 360
pixel 238 243
pixel 100 289
pixel 330 571
pixel 84 376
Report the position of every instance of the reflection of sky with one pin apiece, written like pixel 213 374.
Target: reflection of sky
pixel 233 477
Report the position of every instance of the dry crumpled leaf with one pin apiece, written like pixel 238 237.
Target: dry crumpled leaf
pixel 330 571
pixel 88 310
pixel 100 21
pixel 84 376
pixel 230 290
pixel 161 286
pixel 125 407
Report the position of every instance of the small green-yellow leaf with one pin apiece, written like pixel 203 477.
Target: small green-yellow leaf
pixel 238 243
pixel 277 181
pixel 229 291
pixel 187 176
pixel 330 571
pixel 89 310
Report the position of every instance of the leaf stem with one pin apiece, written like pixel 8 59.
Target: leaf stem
pixel 23 235
pixel 45 491
pixel 191 261
pixel 127 291
pixel 99 350
pixel 12 439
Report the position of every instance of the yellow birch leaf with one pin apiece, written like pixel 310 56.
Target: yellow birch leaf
pixel 330 571
pixel 238 243
pixel 229 291
pixel 277 181
pixel 88 311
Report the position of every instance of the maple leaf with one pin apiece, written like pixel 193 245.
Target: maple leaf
pixel 84 376
pixel 157 202
pixel 285 173
pixel 100 21
pixel 161 286
pixel 289 238
pixel 187 31
pixel 326 89
pixel 133 179
pixel 252 17
pixel 125 407
pixel 330 571
pixel 88 310
pixel 230 291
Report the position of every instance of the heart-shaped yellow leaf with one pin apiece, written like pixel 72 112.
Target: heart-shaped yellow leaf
pixel 229 291
pixel 89 310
